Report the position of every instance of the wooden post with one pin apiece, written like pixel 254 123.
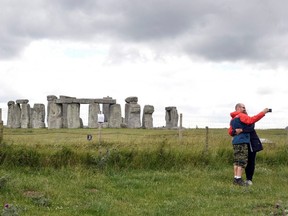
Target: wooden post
pixel 180 127
pixel 287 137
pixel 101 118
pixel 206 144
pixel 99 133
pixel 1 126
pixel 1 131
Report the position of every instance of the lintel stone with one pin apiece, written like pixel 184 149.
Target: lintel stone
pixel 85 101
pixel 22 101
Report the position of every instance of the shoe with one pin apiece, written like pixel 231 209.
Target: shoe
pixel 239 182
pixel 249 182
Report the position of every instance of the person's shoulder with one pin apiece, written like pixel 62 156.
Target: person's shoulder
pixel 234 114
pixel 242 115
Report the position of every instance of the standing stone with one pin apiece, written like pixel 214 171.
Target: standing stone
pixel 25 116
pixel 64 110
pixel 54 113
pixel 1 127
pixel 171 117
pixel 94 110
pixel 115 119
pixel 106 110
pixel 132 113
pixel 147 120
pixel 14 115
pixel 73 115
pixel 10 115
pixel 25 113
pixel 38 116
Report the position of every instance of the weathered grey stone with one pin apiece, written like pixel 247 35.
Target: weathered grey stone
pixel 94 110
pixel 132 115
pixel 54 113
pixel 132 99
pixel 148 109
pixel 64 109
pixel 115 119
pixel 106 109
pixel 147 120
pixel 38 116
pixel 10 114
pixel 69 100
pixel 65 113
pixel 14 115
pixel 51 98
pixel 0 114
pixel 171 117
pixel 25 115
pixel 65 101
pixel 73 116
pixel 22 101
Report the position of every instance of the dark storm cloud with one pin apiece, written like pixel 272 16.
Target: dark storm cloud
pixel 223 30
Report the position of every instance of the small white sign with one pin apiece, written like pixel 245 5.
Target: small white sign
pixel 100 118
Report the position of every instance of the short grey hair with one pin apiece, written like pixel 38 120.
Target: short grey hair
pixel 238 105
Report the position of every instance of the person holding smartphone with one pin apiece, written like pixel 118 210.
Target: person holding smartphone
pixel 241 141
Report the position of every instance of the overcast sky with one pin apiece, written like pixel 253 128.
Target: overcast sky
pixel 202 56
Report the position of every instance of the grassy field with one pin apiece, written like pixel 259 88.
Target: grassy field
pixel 137 172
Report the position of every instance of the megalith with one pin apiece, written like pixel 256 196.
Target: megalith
pixel 132 112
pixel 38 116
pixel 171 117
pixel 94 110
pixel 25 113
pixel 147 119
pixel 65 115
pixel 73 115
pixel 106 109
pixel 115 119
pixel 54 113
pixel 14 115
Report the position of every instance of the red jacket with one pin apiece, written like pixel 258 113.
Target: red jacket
pixel 245 119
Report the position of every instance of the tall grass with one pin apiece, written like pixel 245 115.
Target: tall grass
pixel 128 148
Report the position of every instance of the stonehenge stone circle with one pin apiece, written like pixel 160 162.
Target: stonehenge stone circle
pixel 64 112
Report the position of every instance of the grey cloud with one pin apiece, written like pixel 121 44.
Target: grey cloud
pixel 252 31
pixel 6 93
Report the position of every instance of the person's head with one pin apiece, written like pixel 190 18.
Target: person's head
pixel 240 107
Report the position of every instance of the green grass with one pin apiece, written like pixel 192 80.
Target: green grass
pixel 197 191
pixel 137 172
